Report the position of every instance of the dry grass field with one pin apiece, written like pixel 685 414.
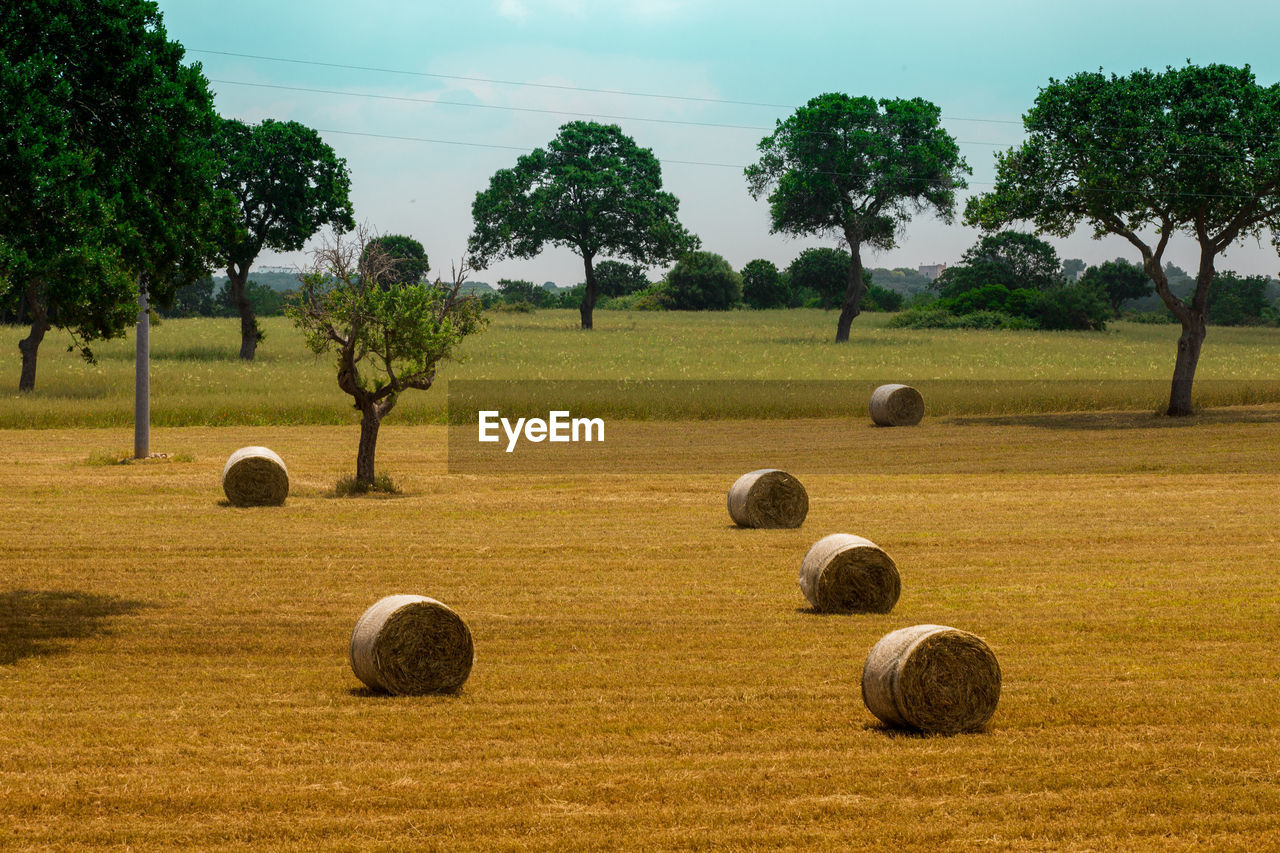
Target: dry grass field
pixel 173 670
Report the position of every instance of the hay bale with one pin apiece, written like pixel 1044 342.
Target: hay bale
pixel 896 405
pixel 932 678
pixel 410 645
pixel 255 476
pixel 843 573
pixel 768 498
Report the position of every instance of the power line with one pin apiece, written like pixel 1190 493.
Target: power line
pixel 611 117
pixel 531 84
pixel 670 162
pixel 433 102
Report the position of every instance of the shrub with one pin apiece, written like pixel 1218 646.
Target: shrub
pixel 880 298
pixel 937 317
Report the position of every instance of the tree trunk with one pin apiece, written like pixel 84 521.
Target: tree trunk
pixel 238 276
pixel 30 344
pixel 1184 368
pixel 370 420
pixel 589 297
pixel 852 306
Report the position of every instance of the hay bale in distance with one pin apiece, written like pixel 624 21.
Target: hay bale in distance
pixel 411 645
pixel 255 476
pixel 896 405
pixel 768 498
pixel 932 678
pixel 843 573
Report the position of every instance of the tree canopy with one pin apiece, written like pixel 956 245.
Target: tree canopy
pixel 1119 280
pixel 763 286
pixel 1147 156
pixel 288 184
pixel 615 278
pixel 592 190
pixel 407 256
pixel 1012 259
pixel 824 271
pixel 703 281
pixel 857 168
pixel 104 157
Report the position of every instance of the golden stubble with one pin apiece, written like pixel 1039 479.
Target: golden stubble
pixel 647 675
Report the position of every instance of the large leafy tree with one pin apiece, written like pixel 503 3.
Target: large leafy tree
pixel 592 190
pixel 858 169
pixel 104 158
pixel 288 184
pixel 1147 156
pixel 387 335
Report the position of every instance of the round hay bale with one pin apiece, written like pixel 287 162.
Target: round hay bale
pixel 843 573
pixel 255 476
pixel 896 405
pixel 410 645
pixel 932 678
pixel 768 498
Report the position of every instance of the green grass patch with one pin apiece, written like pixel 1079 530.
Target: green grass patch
pixel 198 380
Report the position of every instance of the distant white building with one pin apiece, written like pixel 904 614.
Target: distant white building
pixel 931 271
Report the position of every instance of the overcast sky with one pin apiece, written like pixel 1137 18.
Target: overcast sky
pixel 982 62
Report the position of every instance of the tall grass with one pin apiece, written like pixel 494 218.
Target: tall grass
pixel 197 378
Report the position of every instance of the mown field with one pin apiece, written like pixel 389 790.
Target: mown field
pixel 173 670
pixel 198 380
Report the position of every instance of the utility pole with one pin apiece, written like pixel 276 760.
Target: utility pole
pixel 142 379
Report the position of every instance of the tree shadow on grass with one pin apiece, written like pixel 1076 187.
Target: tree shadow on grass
pixel 1106 421
pixel 36 622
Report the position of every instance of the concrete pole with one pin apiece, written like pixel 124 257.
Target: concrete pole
pixel 142 379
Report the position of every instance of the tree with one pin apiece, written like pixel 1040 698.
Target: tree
pixel 407 256
pixel 1072 268
pixel 288 184
pixel 592 190
pixel 1119 280
pixel 858 169
pixel 1188 150
pixel 614 278
pixel 703 281
pixel 823 270
pixel 519 290
pixel 104 159
pixel 763 286
pixel 388 336
pixel 1011 259
pixel 1239 300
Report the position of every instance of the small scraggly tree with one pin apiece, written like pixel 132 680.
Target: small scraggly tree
pixel 858 169
pixel 288 184
pixel 388 336
pixel 592 190
pixel 1146 156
